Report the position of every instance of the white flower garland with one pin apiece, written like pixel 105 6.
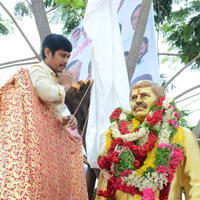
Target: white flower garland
pixel 152 180
pixel 128 137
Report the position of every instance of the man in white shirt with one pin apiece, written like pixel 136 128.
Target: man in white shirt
pixel 51 80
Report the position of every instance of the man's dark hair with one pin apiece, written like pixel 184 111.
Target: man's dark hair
pixel 56 42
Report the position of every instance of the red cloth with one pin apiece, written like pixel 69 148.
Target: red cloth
pixel 39 159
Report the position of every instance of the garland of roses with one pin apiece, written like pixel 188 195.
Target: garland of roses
pixel 124 156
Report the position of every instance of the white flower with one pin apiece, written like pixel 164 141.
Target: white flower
pixel 153 180
pixel 122 116
pixel 166 103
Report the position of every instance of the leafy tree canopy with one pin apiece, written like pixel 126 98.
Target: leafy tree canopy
pixel 180 27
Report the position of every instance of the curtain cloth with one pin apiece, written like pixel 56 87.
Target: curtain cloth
pixel 111 87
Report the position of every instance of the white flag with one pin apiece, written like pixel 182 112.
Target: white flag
pixel 111 87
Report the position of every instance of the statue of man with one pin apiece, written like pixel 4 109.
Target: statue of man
pixel 148 155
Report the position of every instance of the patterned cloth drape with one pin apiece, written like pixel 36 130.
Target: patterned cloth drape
pixel 39 159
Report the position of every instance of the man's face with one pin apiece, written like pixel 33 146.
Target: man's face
pixel 135 18
pixel 142 99
pixel 142 51
pixel 58 61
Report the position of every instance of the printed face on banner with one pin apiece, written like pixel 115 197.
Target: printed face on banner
pixel 75 37
pixel 147 63
pixel 143 49
pixel 128 14
pixel 135 16
pixel 79 62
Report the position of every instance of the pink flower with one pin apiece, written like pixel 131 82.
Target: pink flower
pixel 173 122
pixel 171 107
pixel 148 194
pixel 161 169
pixel 162 145
pixel 176 115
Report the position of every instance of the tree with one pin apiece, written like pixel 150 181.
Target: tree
pixel 180 27
pixel 70 13
pixel 40 18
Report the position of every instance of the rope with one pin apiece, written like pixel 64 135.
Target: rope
pixel 82 98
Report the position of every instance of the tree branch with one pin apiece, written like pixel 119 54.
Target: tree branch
pixel 182 69
pixel 52 9
pixel 169 54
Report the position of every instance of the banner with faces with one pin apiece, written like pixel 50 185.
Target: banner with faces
pixel 147 67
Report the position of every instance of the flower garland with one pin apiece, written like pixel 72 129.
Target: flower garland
pixel 139 168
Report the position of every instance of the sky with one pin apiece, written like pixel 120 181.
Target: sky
pixel 14 47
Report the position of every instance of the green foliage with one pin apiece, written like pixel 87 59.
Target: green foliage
pixel 50 3
pixel 22 8
pixel 126 160
pixel 160 154
pixel 5 27
pixel 162 10
pixel 148 170
pixel 72 14
pixel 151 128
pixel 75 3
pixel 129 117
pixel 181 28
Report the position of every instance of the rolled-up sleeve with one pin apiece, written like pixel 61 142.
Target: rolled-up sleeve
pixel 46 89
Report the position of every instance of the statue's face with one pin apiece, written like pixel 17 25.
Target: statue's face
pixel 142 99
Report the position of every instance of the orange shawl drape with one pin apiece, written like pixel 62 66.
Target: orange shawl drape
pixel 39 159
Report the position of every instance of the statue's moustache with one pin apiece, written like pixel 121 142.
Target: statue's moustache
pixel 139 105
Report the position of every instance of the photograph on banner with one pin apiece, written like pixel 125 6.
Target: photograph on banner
pixel 79 62
pixel 147 67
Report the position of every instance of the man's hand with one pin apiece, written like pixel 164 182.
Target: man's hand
pixel 65 79
pixel 70 121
